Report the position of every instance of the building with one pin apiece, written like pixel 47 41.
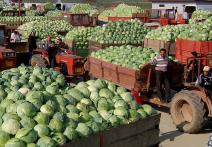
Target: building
pixel 188 5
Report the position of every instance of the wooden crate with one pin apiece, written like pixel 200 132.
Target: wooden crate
pixel 142 133
pixel 156 45
pixel 91 141
pixel 110 72
pixel 95 67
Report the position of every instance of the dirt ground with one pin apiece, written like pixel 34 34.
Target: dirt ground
pixel 171 137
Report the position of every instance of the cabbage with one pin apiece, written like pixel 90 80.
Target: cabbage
pixel 11 126
pixel 27 122
pixel 83 130
pixel 42 130
pixel 27 135
pixel 46 141
pixel 4 137
pixel 32 145
pixel 70 133
pixel 7 116
pixel 59 138
pixel 106 93
pixel 47 109
pixel 42 118
pixel 15 142
pixel 56 125
pixel 26 109
pixel 121 111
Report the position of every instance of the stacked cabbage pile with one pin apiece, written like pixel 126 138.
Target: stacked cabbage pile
pixel 38 108
pixel 44 28
pixel 49 6
pixel 122 10
pixel 22 19
pixel 199 15
pixel 83 8
pixel 167 33
pixel 81 36
pixel 126 56
pixel 198 32
pixel 54 14
pixel 31 13
pixel 121 32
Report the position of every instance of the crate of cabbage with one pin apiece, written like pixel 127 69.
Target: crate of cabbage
pixel 37 108
pixel 158 44
pixel 129 67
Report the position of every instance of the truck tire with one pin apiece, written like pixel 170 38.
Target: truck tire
pixel 188 112
pixel 37 60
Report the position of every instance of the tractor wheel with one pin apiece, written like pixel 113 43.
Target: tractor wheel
pixel 37 60
pixel 188 112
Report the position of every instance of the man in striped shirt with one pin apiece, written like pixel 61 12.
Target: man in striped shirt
pixel 161 63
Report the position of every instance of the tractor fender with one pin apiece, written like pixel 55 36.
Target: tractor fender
pixel 206 99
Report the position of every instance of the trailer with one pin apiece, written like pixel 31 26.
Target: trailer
pixel 142 133
pixel 190 105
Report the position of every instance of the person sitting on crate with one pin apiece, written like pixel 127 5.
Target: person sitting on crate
pixel 205 80
pixel 192 68
pixel 161 64
pixel 15 36
pixel 52 52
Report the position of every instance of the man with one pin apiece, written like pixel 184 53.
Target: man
pixel 52 51
pixel 60 44
pixel 32 43
pixel 205 79
pixel 185 16
pixel 15 37
pixel 192 68
pixel 47 42
pixel 161 63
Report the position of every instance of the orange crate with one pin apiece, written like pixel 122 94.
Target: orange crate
pixel 110 71
pixel 95 67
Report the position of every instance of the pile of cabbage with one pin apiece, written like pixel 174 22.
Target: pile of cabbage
pixel 44 28
pixel 121 32
pixel 199 15
pixel 81 36
pixel 55 13
pixel 38 108
pixel 49 6
pixel 122 10
pixel 83 8
pixel 198 32
pixel 167 33
pixel 21 19
pixel 126 56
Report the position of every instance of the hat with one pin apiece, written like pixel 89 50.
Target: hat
pixel 206 68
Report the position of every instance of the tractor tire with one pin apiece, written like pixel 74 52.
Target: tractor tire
pixel 38 60
pixel 188 112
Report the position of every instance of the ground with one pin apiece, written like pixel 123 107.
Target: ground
pixel 171 137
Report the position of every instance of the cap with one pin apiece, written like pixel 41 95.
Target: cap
pixel 206 68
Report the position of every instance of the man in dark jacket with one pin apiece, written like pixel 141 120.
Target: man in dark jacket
pixel 32 43
pixel 52 51
pixel 205 79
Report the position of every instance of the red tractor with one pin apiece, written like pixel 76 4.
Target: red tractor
pixel 68 64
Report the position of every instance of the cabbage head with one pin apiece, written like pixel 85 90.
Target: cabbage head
pixel 28 135
pixel 11 126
